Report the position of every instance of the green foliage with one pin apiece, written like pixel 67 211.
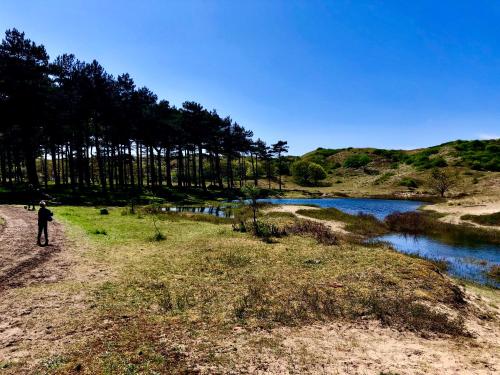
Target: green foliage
pixel 408 182
pixel 480 155
pixel 392 155
pixel 384 178
pixel 321 155
pixel 425 160
pixel 252 193
pixel 307 173
pixel 357 161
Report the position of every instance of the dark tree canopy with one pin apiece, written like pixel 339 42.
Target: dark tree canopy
pixel 69 122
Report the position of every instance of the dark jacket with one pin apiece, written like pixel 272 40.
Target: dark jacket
pixel 44 215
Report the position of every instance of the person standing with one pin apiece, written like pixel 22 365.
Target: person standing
pixel 44 216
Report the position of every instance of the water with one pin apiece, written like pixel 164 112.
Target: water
pixel 465 260
pixel 208 210
pixel 379 208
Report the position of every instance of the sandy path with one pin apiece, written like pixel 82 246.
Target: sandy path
pixel 336 226
pixel 26 316
pixel 22 262
pixel 456 208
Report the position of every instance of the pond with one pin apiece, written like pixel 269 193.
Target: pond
pixel 467 259
pixel 208 210
pixel 379 208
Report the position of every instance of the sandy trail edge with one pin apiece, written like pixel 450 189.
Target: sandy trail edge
pixel 336 226
pixel 456 208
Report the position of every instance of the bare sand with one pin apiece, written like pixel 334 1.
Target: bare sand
pixel 364 347
pixel 456 208
pixel 336 226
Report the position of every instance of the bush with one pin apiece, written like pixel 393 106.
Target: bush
pixel 480 155
pixel 408 182
pixel 319 231
pixel 307 173
pixel 357 161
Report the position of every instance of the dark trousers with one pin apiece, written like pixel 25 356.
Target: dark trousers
pixel 42 227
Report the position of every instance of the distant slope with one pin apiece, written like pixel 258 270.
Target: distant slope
pixel 476 155
pixel 370 171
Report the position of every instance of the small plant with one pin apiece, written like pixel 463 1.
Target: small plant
pixel 53 363
pixel 155 209
pixel 319 231
pixel 408 182
pixel 252 193
pixel 159 236
pixel 494 273
pixel 100 231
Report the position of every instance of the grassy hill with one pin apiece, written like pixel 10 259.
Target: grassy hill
pixel 370 170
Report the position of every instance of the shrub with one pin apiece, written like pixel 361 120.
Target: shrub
pixel 408 182
pixel 316 173
pixel 357 161
pixel 480 155
pixel 307 173
pixel 319 231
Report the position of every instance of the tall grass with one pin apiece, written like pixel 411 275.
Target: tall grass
pixel 426 224
pixel 362 224
pixel 488 219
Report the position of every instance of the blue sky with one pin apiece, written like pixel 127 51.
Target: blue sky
pixel 394 74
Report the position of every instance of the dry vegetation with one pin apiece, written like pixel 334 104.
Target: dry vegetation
pixel 170 306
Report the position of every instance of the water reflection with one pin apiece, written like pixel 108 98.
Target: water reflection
pixel 465 260
pixel 218 211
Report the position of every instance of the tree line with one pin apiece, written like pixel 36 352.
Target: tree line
pixel 70 123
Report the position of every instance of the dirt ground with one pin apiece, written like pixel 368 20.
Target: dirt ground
pixel 45 309
pixel 41 298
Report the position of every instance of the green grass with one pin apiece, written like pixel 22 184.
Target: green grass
pixel 205 279
pixel 488 219
pixel 366 225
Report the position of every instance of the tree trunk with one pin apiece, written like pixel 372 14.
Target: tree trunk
pixel 168 167
pixel 200 168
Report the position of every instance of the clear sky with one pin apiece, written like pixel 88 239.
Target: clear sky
pixel 393 74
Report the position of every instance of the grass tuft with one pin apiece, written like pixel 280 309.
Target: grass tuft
pixel 424 223
pixel 488 219
pixel 494 273
pixel 362 224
